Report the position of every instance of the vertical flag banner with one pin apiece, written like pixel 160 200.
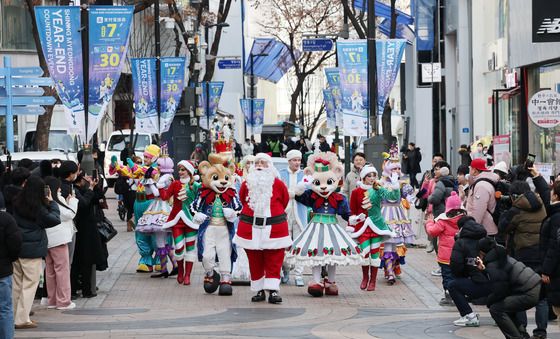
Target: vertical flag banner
pixel 333 80
pixel 254 121
pixel 424 12
pixel 210 107
pixel 109 31
pixel 329 108
pixel 172 82
pixel 59 33
pixel 389 56
pixel 352 61
pixel 145 96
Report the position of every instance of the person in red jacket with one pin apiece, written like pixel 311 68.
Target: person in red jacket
pixel 183 229
pixel 444 227
pixel 263 227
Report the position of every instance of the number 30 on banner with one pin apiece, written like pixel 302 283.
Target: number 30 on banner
pixel 172 87
pixel 110 60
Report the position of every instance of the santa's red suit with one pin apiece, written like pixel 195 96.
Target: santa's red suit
pixel 266 237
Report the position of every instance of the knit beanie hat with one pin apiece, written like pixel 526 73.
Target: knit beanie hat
pixel 486 244
pixel 152 151
pixel 453 202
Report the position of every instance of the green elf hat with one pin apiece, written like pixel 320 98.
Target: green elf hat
pixel 321 165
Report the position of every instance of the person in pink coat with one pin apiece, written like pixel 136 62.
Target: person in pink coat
pixel 444 227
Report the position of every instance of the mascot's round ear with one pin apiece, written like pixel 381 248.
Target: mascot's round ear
pixel 338 170
pixel 203 167
pixel 308 171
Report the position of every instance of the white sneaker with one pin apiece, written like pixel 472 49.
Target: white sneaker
pixel 436 272
pixel 470 320
pixel 44 301
pixel 69 307
pixel 51 307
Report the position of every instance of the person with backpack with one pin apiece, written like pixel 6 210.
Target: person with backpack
pixel 481 201
pixel 521 225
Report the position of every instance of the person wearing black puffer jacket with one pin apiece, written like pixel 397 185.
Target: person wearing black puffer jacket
pixel 522 226
pixel 469 282
pixel 550 250
pixel 34 211
pixel 515 288
pixel 10 245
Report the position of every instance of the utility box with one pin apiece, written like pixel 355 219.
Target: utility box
pixel 373 147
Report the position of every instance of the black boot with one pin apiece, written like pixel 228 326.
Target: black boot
pixel 274 297
pixel 259 297
pixel 163 274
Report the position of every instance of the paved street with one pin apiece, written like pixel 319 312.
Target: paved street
pixel 133 305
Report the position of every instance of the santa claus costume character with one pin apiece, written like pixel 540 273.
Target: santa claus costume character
pixel 394 249
pixel 324 241
pixel 156 215
pixel 184 230
pixel 296 212
pixel 263 228
pixel 145 178
pixel 215 210
pixel 369 226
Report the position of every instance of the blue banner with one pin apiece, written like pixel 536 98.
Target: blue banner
pixel 424 13
pixel 403 31
pixel 389 56
pixel 274 64
pixel 352 61
pixel 210 106
pixel 145 94
pixel 172 84
pixel 109 30
pixel 59 33
pixel 333 81
pixel 253 119
pixel 329 108
pixel 384 11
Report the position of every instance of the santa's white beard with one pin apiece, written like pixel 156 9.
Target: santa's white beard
pixel 259 184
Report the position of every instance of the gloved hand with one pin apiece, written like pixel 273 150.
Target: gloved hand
pixel 149 172
pixel 349 229
pixel 165 181
pixel 300 188
pixel 129 161
pixel 199 218
pixel 114 162
pixel 395 181
pixel 230 214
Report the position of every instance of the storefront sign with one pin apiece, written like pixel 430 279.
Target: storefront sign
pixel 546 21
pixel 501 149
pixel 431 72
pixel 544 108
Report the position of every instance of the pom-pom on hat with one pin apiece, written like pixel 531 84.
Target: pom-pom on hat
pixel 453 202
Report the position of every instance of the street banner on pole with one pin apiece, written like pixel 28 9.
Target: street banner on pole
pixel 172 83
pixel 329 108
pixel 352 61
pixel 389 56
pixel 145 96
pixel 272 59
pixel 59 33
pixel 209 113
pixel 255 122
pixel 333 80
pixel 109 31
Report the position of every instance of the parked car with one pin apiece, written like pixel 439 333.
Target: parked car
pixel 116 143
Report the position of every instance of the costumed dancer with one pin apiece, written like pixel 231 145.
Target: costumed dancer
pixel 145 189
pixel 157 214
pixel 324 241
pixel 215 210
pixel 370 228
pixel 296 212
pixel 263 228
pixel 184 230
pixel 394 249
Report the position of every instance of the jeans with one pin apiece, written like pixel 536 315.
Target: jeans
pixel 6 308
pixel 541 317
pixel 504 312
pixel 446 275
pixel 461 288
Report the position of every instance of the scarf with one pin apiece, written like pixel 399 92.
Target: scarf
pixel 333 199
pixel 209 195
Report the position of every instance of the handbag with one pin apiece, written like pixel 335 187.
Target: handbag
pixel 104 226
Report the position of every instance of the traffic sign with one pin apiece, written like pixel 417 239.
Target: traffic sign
pixel 22 101
pixel 25 91
pixel 23 71
pixel 317 45
pixel 229 64
pixel 28 82
pixel 24 110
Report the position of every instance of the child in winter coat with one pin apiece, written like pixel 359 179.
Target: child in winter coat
pixel 444 227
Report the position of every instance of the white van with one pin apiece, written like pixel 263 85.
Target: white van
pixel 116 143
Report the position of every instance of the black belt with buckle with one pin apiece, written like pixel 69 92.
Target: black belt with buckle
pixel 263 221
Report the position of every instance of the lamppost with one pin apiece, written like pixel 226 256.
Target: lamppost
pixel 252 84
pixel 206 29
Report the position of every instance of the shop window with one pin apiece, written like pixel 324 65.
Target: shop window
pixel 16 32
